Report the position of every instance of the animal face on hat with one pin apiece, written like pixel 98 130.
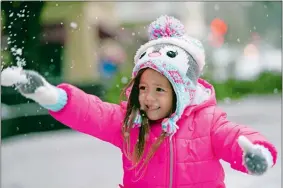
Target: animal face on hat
pixel 169 30
pixel 178 57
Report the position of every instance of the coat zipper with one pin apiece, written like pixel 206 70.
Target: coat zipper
pixel 171 163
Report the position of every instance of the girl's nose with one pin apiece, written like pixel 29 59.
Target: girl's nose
pixel 149 97
pixel 154 54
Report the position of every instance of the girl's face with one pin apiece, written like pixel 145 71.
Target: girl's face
pixel 155 95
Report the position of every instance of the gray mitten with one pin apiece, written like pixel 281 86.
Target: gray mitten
pixel 255 163
pixel 257 159
pixel 33 86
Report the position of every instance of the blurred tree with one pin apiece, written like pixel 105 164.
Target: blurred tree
pixel 22 27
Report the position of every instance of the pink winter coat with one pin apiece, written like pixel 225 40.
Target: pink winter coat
pixel 189 160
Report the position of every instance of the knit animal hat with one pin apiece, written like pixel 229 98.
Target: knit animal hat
pixel 178 57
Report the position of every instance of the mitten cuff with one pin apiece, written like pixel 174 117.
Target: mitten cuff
pixel 61 102
pixel 266 153
pixel 270 148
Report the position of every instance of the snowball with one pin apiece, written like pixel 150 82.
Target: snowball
pixel 12 75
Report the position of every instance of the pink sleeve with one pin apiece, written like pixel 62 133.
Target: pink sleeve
pixel 88 114
pixel 224 136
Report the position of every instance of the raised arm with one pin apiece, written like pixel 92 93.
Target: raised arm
pixel 69 105
pixel 88 114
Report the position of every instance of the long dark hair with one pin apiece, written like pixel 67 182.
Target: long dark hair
pixel 133 107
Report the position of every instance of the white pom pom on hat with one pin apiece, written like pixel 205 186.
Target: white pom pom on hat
pixel 169 30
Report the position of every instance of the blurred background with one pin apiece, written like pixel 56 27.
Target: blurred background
pixel 92 45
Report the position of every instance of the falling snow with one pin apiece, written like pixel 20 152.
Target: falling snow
pixel 15 50
pixel 19 51
pixel 73 25
pixel 216 7
pixel 227 100
pixel 124 80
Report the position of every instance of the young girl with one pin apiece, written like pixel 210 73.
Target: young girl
pixel 170 130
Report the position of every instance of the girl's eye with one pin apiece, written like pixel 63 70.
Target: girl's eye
pixel 160 89
pixel 171 54
pixel 142 88
pixel 142 55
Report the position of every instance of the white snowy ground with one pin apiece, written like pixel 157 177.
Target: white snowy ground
pixel 66 159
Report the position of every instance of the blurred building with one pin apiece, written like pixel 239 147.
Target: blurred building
pixel 91 22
